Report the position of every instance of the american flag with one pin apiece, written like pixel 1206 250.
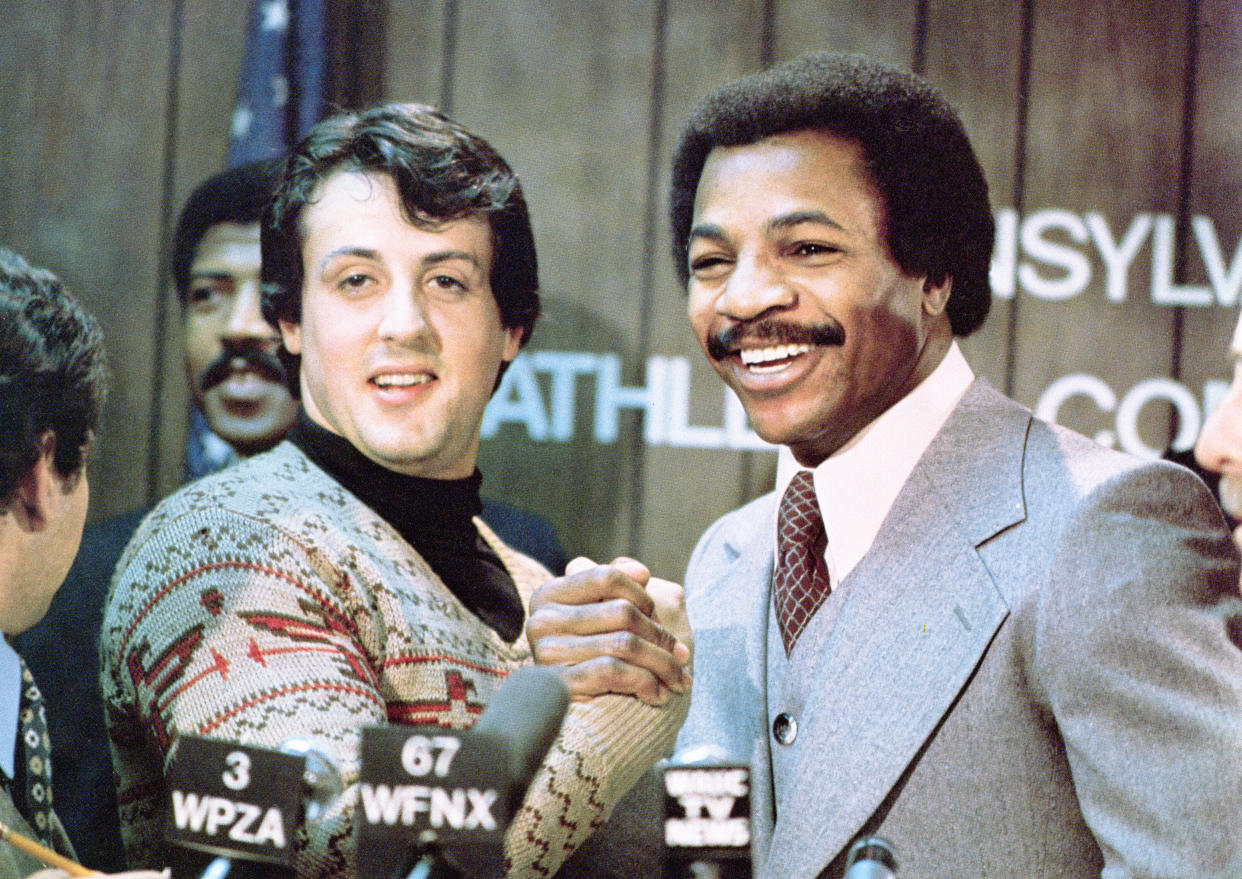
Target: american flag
pixel 284 78
pixel 281 93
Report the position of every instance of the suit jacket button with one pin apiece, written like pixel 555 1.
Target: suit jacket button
pixel 785 728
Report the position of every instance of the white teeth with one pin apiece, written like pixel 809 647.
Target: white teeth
pixel 760 356
pixel 401 381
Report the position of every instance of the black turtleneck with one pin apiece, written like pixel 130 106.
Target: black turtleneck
pixel 434 515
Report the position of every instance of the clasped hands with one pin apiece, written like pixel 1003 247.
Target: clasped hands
pixel 612 629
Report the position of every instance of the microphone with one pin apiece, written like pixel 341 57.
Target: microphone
pixel 871 857
pixel 706 828
pixel 449 795
pixel 241 803
pixel 321 780
pixel 525 717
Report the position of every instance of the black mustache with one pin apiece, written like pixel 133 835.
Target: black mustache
pixel 727 341
pixel 259 359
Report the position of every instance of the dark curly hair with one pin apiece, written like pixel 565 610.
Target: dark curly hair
pixel 53 373
pixel 938 221
pixel 237 195
pixel 441 171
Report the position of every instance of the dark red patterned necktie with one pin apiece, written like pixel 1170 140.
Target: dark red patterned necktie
pixel 801 582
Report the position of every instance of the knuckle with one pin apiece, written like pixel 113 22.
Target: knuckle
pixel 538 624
pixel 613 670
pixel 613 579
pixel 618 613
pixel 624 645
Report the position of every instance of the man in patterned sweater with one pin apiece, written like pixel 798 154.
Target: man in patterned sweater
pixel 344 578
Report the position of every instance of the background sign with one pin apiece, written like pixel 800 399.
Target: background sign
pixel 1109 133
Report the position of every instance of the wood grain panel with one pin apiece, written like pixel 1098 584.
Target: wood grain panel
pixel 85 92
pixel 973 54
pixel 213 39
pixel 1104 137
pixel 559 88
pixel 883 29
pixel 414 63
pixel 1216 190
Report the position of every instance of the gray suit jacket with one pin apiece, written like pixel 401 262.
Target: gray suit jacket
pixel 1035 671
pixel 14 863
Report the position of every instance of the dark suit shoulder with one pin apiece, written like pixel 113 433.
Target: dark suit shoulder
pixel 62 651
pixel 527 532
pixel 77 606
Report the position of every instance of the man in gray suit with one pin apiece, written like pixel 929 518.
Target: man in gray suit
pixel 1006 649
pixel 1219 447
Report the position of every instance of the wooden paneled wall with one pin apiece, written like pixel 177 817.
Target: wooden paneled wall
pixel 1094 119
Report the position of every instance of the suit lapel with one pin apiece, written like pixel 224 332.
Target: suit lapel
pixel 919 612
pixel 730 610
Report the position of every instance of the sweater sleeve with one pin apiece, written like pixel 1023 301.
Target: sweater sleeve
pixel 203 634
pixel 604 746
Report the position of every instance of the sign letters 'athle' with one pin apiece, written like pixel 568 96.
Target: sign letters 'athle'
pixel 237 801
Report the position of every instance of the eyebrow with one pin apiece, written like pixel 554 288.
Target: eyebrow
pixel 362 252
pixel 440 256
pixel 431 259
pixel 706 230
pixel 776 224
pixel 794 218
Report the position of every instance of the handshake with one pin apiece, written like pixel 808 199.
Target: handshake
pixel 612 629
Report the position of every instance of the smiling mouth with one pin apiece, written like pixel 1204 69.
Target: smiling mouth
pixel 402 380
pixel 773 358
pixel 769 346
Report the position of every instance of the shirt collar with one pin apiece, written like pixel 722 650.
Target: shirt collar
pixel 204 451
pixel 857 485
pixel 10 704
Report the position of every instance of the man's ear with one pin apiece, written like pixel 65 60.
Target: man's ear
pixel 513 342
pixel 32 503
pixel 291 335
pixel 936 295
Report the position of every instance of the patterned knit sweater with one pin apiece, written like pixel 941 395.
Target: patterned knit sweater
pixel 267 602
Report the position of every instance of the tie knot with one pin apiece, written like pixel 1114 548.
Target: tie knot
pixel 799 512
pixel 800 581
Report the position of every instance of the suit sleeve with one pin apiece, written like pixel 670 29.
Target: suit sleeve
pixel 1137 656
